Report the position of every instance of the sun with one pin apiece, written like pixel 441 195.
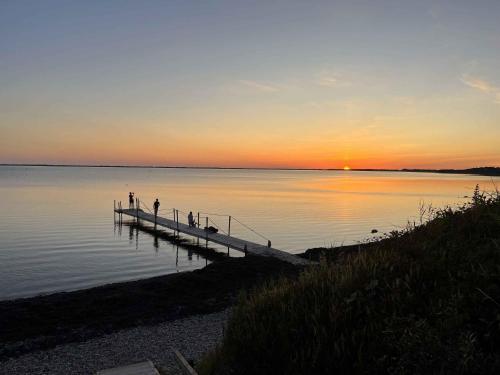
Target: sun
pixel 347 168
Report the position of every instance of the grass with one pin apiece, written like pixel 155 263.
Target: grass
pixel 425 300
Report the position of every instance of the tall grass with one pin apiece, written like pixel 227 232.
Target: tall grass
pixel 425 300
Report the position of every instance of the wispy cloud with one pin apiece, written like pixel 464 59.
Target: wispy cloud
pixel 331 80
pixel 324 79
pixel 483 86
pixel 259 86
pixel 478 84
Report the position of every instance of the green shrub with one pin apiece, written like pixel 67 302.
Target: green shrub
pixel 425 300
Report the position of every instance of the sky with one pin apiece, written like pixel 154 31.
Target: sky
pixel 293 84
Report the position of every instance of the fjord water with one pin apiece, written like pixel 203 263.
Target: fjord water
pixel 57 230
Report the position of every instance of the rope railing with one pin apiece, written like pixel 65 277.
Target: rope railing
pixel 159 210
pixel 250 229
pixel 145 205
pixel 219 228
pixel 233 218
pixel 207 215
pixel 212 214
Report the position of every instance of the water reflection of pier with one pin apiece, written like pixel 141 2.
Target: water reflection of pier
pixel 135 228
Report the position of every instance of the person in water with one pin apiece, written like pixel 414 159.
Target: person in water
pixel 191 221
pixel 130 200
pixel 156 205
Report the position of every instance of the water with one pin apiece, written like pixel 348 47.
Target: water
pixel 57 230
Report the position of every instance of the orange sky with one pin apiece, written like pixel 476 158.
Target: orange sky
pixel 411 85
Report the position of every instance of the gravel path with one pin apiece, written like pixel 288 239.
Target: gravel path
pixel 191 336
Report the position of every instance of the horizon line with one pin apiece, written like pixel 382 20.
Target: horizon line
pixel 235 168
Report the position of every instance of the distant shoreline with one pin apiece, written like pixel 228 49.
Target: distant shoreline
pixel 481 171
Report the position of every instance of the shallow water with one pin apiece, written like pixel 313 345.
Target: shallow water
pixel 57 229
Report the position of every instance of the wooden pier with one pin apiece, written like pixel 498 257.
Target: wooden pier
pixel 142 368
pixel 218 238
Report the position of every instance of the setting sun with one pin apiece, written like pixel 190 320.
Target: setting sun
pixel 347 168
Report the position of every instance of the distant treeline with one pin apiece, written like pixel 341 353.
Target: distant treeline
pixel 484 171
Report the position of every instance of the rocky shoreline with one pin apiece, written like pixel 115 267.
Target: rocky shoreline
pixel 44 322
pixel 193 336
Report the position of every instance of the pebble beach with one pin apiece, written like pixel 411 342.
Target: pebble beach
pixel 192 336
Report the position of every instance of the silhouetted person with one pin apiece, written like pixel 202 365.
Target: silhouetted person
pixel 156 205
pixel 191 221
pixel 130 200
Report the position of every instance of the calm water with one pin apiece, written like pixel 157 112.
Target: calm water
pixel 57 230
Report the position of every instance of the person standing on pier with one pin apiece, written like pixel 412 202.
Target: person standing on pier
pixel 130 200
pixel 156 205
pixel 191 221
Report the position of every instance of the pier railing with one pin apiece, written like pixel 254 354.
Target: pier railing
pixel 140 205
pixel 141 211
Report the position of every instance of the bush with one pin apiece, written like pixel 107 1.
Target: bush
pixel 425 300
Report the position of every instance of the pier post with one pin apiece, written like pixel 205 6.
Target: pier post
pixel 198 223
pixel 137 209
pixel 137 237
pixel 206 232
pixel 268 243
pixel 229 232
pixel 114 211
pixel 177 214
pixel 173 210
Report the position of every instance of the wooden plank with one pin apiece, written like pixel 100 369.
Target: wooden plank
pixel 185 366
pixel 221 239
pixel 142 368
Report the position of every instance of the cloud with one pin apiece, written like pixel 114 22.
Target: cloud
pixel 331 80
pixel 324 79
pixel 478 84
pixel 328 81
pixel 262 87
pixel 483 86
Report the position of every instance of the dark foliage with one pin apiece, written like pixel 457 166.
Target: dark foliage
pixel 425 300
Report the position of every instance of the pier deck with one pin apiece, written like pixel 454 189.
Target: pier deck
pixel 221 239
pixel 142 368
